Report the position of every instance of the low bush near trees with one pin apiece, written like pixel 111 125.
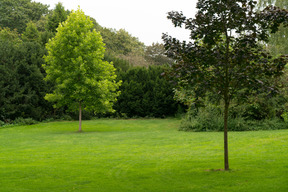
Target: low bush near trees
pixel 210 118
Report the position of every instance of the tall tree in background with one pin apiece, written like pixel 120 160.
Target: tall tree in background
pixel 22 87
pixel 74 63
pixel 57 16
pixel 31 33
pixel 225 54
pixel 278 42
pixel 155 54
pixel 16 13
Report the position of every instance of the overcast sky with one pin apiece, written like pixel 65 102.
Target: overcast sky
pixel 145 19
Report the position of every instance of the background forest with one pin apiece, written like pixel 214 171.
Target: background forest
pixel 26 26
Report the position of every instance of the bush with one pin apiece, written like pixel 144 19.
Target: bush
pixel 145 93
pixel 211 119
pixel 285 116
pixel 22 121
pixel 1 123
pixel 66 117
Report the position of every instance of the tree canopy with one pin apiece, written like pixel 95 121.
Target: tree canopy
pixel 22 86
pixel 57 16
pixel 278 42
pixel 16 13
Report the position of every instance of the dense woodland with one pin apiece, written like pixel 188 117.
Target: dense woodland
pixel 25 28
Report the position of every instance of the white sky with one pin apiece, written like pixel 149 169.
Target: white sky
pixel 146 20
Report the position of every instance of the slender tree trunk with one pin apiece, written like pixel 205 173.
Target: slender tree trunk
pixel 226 160
pixel 226 99
pixel 80 118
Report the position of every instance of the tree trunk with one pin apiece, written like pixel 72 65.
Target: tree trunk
pixel 226 162
pixel 226 100
pixel 80 118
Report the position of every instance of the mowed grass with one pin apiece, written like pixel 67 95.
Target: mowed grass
pixel 139 155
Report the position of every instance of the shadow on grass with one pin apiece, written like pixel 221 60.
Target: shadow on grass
pixel 219 170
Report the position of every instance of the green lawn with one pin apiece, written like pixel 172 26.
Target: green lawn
pixel 139 155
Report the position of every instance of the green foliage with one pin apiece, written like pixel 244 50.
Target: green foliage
pixel 12 36
pixel 210 118
pixel 155 54
pixel 22 87
pixel 121 42
pixel 121 65
pixel 225 54
pixel 285 116
pixel 26 121
pixel 145 93
pixel 31 33
pixel 57 16
pixel 15 14
pixel 278 43
pixel 74 64
pixel 123 45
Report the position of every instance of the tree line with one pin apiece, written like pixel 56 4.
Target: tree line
pixel 22 48
pixel 26 27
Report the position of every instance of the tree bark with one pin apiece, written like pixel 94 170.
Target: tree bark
pixel 80 118
pixel 226 160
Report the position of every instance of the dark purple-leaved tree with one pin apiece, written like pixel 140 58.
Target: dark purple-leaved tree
pixel 226 51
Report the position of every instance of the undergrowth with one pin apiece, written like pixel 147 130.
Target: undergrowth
pixel 211 119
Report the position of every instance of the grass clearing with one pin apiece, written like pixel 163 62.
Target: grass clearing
pixel 139 155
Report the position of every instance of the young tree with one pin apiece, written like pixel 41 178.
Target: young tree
pixel 74 63
pixel 225 54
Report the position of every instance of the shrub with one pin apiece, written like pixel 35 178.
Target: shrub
pixel 145 93
pixel 285 116
pixel 66 117
pixel 26 121
pixel 211 119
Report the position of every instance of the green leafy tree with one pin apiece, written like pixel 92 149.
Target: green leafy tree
pixel 22 87
pixel 225 55
pixel 16 13
pixel 155 54
pixel 7 35
pixel 145 93
pixel 31 32
pixel 121 42
pixel 74 63
pixel 57 16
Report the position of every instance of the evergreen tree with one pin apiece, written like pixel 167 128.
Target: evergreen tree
pixel 21 82
pixel 58 15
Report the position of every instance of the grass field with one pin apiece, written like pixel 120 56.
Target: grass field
pixel 139 155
